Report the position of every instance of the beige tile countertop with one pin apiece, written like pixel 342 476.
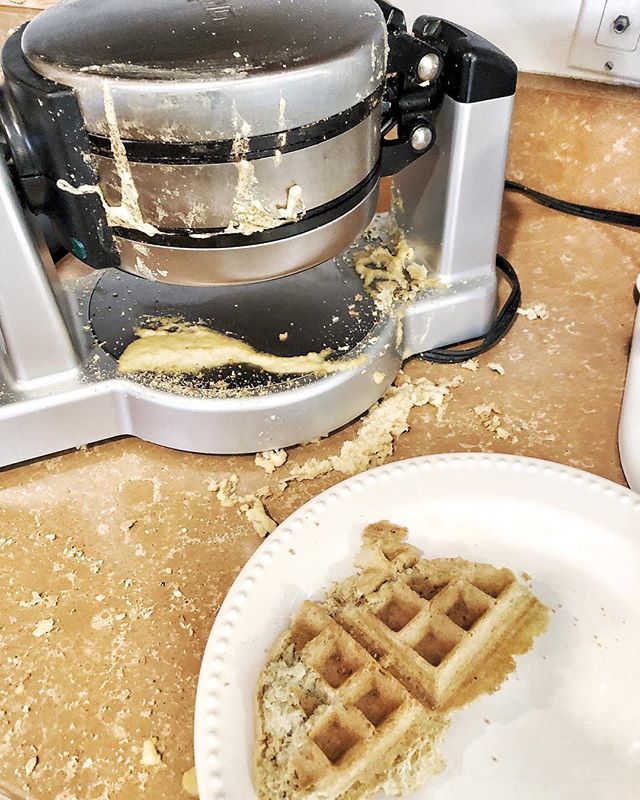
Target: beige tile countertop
pixel 115 559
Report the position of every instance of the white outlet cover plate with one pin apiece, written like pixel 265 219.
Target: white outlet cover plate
pixel 595 44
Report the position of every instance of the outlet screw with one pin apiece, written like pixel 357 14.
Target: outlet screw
pixel 608 65
pixel 621 23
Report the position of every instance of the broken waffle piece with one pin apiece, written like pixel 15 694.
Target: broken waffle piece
pixel 357 693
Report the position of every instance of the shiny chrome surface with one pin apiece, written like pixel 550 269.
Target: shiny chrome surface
pixel 38 341
pixel 201 195
pixel 250 264
pixel 192 71
pixel 452 196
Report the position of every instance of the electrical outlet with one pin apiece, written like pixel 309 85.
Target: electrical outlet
pixel 607 39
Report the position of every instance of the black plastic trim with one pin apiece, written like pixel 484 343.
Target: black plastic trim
pixel 394 18
pixel 322 215
pixel 46 142
pixel 221 152
pixel 474 69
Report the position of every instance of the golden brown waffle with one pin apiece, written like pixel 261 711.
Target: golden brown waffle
pixel 356 693
pixel 435 623
pixel 366 714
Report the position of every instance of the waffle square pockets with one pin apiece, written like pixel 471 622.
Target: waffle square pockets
pixel 358 690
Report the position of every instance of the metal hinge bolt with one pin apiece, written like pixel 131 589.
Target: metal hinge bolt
pixel 421 138
pixel 428 67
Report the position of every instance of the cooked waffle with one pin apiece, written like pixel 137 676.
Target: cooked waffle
pixel 435 623
pixel 356 693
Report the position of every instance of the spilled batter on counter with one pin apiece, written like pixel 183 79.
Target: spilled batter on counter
pixel 177 347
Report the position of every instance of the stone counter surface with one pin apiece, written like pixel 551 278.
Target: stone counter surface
pixel 114 560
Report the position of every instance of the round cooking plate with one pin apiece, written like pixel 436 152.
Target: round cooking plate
pixel 325 307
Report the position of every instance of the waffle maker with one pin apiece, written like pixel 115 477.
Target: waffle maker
pixel 219 160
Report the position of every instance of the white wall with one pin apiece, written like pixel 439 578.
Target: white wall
pixel 537 34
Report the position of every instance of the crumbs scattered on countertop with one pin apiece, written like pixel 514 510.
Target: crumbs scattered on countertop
pixel 251 504
pixel 472 365
pixel 151 756
pixel 492 421
pixel 32 762
pixel 270 460
pixel 536 311
pixel 43 627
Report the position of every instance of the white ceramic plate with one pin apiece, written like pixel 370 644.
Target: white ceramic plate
pixel 566 724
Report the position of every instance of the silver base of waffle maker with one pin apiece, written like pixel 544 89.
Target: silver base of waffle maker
pixel 59 387
pixel 59 343
pixel 94 404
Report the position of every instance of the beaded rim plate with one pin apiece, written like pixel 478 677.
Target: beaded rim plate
pixel 566 724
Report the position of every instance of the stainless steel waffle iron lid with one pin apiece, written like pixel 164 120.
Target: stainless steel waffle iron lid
pixel 192 70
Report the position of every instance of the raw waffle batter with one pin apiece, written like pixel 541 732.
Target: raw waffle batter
pixel 179 347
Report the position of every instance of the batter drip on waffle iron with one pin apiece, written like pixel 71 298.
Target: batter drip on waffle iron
pixel 358 691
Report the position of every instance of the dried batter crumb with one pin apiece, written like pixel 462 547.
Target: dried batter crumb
pixel 536 311
pixel 38 599
pixel 378 377
pixel 472 365
pixel 491 420
pixel 257 515
pixel 283 337
pixel 43 627
pixel 32 763
pixel 189 782
pixel 270 460
pixel 151 756
pixel 374 442
pixel 250 504
pixel 389 271
pixel 496 367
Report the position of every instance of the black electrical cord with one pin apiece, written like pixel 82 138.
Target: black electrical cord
pixel 506 317
pixel 504 320
pixel 608 215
